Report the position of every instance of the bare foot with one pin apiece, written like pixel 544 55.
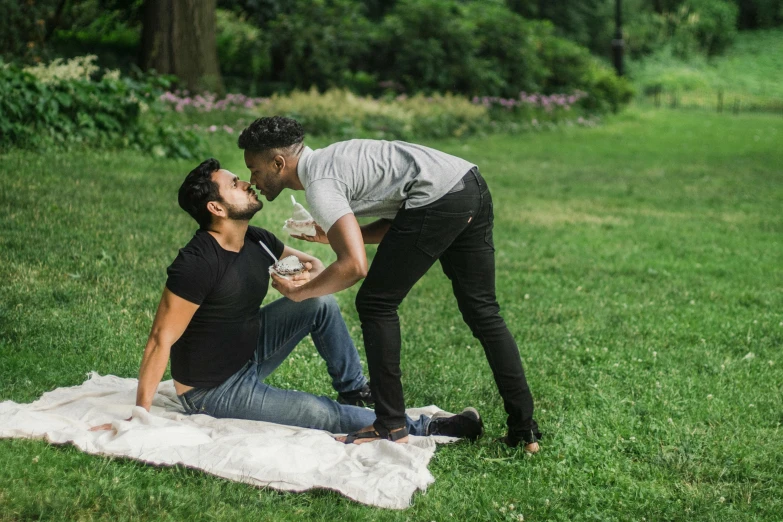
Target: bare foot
pixel 367 429
pixel 532 448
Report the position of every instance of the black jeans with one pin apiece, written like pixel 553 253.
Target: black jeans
pixel 457 230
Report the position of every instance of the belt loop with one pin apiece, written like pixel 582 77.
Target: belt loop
pixel 476 175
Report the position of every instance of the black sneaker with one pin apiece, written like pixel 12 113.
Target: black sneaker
pixel 360 397
pixel 466 425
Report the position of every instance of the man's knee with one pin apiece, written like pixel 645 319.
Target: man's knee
pixel 315 305
pixel 367 304
pixel 482 316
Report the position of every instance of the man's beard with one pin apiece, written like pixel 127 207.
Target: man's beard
pixel 237 213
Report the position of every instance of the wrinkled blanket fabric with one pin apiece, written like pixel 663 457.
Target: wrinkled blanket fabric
pixel 381 474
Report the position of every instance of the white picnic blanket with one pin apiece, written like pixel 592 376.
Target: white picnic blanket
pixel 381 473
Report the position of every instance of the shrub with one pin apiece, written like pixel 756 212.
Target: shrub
pixel 715 26
pixel 430 46
pixel 314 42
pixel 342 114
pixel 64 104
pixel 702 27
pixel 243 51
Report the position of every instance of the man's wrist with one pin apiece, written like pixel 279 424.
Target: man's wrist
pixel 297 294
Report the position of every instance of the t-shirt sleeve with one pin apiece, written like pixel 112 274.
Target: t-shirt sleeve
pixel 269 239
pixel 328 201
pixel 190 277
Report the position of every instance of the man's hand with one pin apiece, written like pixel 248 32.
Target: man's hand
pixel 319 237
pixel 287 287
pixel 303 276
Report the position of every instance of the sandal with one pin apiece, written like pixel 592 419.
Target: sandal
pixel 380 434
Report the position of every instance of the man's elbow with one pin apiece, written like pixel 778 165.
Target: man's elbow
pixel 357 271
pixel 361 272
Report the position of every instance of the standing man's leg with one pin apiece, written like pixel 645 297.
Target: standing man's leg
pixel 410 247
pixel 470 265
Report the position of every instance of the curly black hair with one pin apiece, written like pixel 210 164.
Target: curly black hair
pixel 197 190
pixel 276 132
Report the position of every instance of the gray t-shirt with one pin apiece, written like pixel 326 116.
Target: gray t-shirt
pixel 375 178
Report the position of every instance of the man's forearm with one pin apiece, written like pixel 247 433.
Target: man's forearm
pixel 335 277
pixel 153 365
pixel 372 233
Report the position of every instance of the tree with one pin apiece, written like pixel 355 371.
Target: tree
pixel 178 37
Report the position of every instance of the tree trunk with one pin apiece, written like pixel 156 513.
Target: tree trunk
pixel 178 37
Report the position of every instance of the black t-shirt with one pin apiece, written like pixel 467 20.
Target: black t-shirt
pixel 229 288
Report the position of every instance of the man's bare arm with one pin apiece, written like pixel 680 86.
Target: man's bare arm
pixel 171 319
pixel 345 237
pixel 173 316
pixel 372 233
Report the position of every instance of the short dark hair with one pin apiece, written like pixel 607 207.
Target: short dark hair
pixel 274 132
pixel 198 189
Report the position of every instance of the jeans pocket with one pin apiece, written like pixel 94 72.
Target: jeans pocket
pixel 192 400
pixel 488 238
pixel 440 229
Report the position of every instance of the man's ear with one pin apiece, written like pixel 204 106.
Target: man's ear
pixel 216 209
pixel 280 162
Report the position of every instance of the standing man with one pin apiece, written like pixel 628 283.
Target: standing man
pixel 432 206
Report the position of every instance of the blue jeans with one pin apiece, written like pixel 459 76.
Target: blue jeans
pixel 283 324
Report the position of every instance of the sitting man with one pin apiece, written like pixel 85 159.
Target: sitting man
pixel 222 345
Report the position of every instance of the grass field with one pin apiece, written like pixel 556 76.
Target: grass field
pixel 640 267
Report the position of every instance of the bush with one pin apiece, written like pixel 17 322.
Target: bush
pixel 342 114
pixel 315 42
pixel 430 46
pixel 715 26
pixel 23 29
pixel 702 27
pixel 65 104
pixel 243 52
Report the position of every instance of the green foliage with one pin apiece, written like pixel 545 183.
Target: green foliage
pixel 747 73
pixel 243 51
pixel 571 66
pixel 510 46
pixel 410 46
pixel 317 42
pixel 760 14
pixel 75 108
pixel 429 45
pixel 339 113
pixel 23 28
pixel 709 26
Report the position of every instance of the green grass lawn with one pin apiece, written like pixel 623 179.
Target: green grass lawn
pixel 640 267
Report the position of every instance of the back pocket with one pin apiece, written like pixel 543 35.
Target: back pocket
pixel 440 229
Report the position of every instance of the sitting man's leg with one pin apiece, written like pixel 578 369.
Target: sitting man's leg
pixel 244 396
pixel 285 323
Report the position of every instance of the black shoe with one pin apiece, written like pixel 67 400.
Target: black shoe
pixel 360 397
pixel 466 425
